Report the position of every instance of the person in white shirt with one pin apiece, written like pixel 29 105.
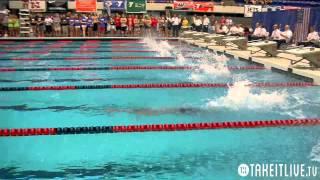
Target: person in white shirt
pixel 234 30
pixel 198 24
pixel 240 30
pixel 175 20
pixel 224 29
pixel 285 36
pixel 194 18
pixel 48 24
pixel 260 32
pixel 313 35
pixel 229 21
pixel 205 23
pixel 311 38
pixel 275 33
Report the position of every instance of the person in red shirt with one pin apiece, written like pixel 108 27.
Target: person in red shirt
pixel 130 24
pixel 117 21
pixel 223 20
pixel 154 25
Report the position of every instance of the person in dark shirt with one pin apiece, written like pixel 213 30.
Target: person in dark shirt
pixel 64 26
pixel 102 25
pixel 71 26
pixel 40 27
pixel 34 25
pixel 77 25
pixel 90 25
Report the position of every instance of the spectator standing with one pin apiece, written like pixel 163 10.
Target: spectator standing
pixel 206 23
pixel 84 21
pixel 130 24
pixel 193 20
pixel 34 25
pixel 102 26
pixel 48 23
pixel 40 27
pixel 117 23
pixel 71 26
pixel 185 24
pixel 56 24
pixel 162 26
pixel 175 25
pixel 198 24
pixel 90 26
pixel 95 18
pixel 64 26
pixel 136 22
pixel 77 26
pixel 147 26
pixel 123 21
pixel 113 28
pixel 154 24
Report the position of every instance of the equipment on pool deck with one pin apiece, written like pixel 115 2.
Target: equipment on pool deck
pixel 199 35
pixel 238 42
pixel 188 34
pixel 213 37
pixel 270 47
pixel 310 54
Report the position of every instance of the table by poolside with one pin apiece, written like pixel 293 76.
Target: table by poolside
pixel 270 47
pixel 310 54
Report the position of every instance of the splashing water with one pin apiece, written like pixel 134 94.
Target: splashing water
pixel 210 66
pixel 240 96
pixel 315 153
pixel 162 48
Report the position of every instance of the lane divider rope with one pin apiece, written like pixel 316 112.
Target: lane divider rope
pixel 83 50
pixel 149 86
pixel 232 68
pixel 159 127
pixel 88 58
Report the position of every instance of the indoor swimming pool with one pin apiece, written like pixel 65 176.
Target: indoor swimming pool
pixel 106 86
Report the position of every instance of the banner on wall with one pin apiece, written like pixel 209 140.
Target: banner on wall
pixel 193 6
pixel 57 5
pixel 203 6
pixel 183 5
pixel 86 5
pixel 136 6
pixel 115 5
pixel 250 9
pixel 37 5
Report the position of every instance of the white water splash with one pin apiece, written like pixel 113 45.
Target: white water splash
pixel 315 153
pixel 210 66
pixel 241 96
pixel 162 48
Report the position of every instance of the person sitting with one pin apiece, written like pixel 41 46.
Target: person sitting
pixel 233 30
pixel 275 33
pixel 285 36
pixel 313 36
pixel 224 29
pixel 260 32
pixel 240 30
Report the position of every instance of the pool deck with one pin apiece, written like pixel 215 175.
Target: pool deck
pixel 280 62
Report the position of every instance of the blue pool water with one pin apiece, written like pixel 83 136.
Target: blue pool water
pixel 207 154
